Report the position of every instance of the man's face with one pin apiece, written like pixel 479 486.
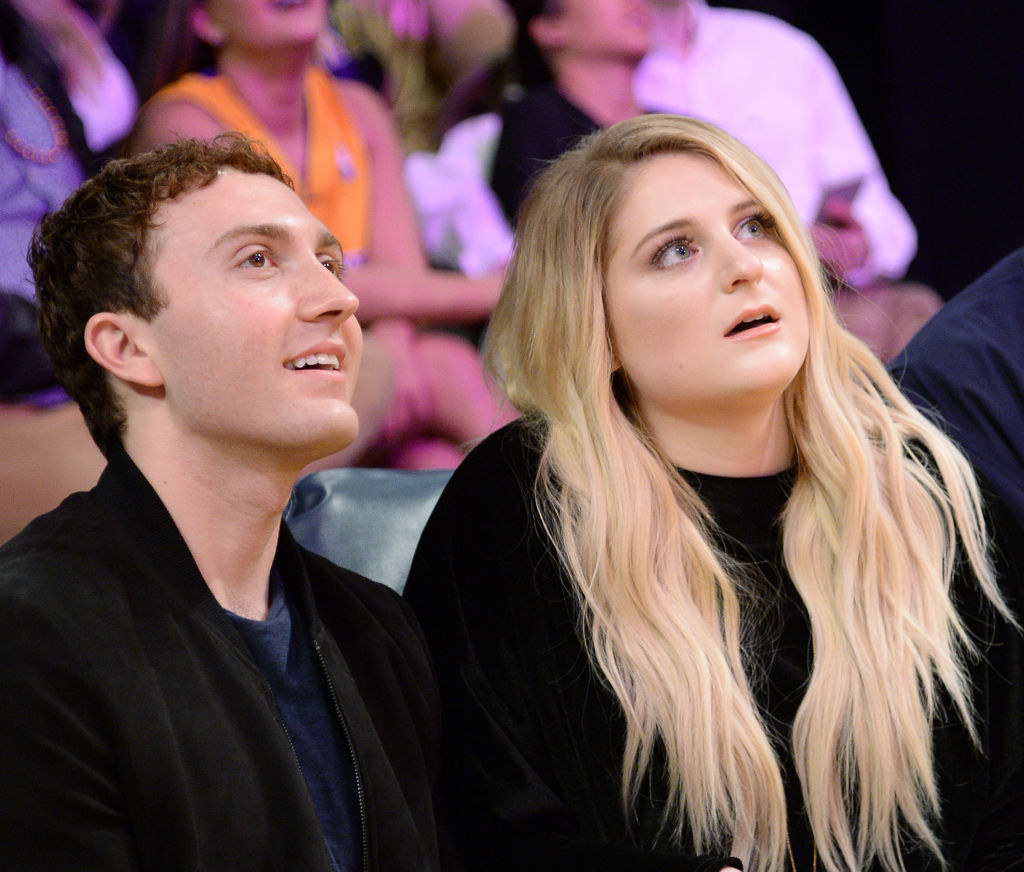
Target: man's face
pixel 598 29
pixel 257 345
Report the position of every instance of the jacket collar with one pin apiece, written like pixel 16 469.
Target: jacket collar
pixel 126 493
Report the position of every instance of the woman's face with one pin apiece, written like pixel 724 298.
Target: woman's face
pixel 264 24
pixel 707 312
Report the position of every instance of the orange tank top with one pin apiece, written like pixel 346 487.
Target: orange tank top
pixel 336 187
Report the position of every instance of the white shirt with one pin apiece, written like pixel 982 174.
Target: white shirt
pixel 777 91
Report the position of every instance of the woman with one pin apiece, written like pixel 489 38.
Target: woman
pixel 337 141
pixel 723 595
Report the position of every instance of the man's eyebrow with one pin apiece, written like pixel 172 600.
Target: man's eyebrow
pixel 276 232
pixel 681 223
pixel 267 231
pixel 329 240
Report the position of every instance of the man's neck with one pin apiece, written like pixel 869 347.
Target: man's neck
pixel 603 89
pixel 674 24
pixel 227 506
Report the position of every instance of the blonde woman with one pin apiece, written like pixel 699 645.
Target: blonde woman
pixel 723 596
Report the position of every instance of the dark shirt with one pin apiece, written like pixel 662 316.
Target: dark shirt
pixel 534 131
pixel 967 364
pixel 137 731
pixel 534 737
pixel 283 652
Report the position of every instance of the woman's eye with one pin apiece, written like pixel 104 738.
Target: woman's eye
pixel 676 251
pixel 756 227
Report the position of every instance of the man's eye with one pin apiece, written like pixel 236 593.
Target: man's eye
pixel 335 267
pixel 257 258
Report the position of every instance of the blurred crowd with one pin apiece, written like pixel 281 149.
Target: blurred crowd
pixel 412 129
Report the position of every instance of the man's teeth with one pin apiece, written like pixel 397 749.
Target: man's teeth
pixel 314 360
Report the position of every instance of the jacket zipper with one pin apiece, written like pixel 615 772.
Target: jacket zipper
pixel 352 754
pixel 288 736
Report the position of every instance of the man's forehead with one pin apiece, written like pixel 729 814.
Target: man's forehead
pixel 233 200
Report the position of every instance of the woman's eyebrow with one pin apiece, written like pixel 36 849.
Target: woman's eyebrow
pixel 682 223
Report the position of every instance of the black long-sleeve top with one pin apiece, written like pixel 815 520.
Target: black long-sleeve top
pixel 534 740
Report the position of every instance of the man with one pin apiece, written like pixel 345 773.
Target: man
pixel 966 367
pixel 577 59
pixel 184 686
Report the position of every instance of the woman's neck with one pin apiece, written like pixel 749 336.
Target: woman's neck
pixel 273 86
pixel 727 444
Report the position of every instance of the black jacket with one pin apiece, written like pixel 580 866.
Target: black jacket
pixel 136 732
pixel 967 364
pixel 534 738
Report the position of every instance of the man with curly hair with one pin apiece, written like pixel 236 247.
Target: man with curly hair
pixel 185 687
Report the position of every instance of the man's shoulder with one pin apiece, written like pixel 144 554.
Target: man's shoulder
pixel 744 29
pixel 347 601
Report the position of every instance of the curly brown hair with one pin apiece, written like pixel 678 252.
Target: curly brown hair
pixel 91 255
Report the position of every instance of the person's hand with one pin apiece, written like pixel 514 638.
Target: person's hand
pixel 839 238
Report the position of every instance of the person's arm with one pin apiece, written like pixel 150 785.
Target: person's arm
pixel 843 152
pixel 502 732
pixel 164 121
pixel 396 280
pixel 63 806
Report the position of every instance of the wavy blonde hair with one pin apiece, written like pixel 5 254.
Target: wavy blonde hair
pixel 870 535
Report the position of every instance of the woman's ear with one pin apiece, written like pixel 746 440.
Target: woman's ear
pixel 118 341
pixel 204 26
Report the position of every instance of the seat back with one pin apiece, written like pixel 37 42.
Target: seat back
pixel 367 520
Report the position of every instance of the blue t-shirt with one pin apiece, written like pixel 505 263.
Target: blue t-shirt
pixel 283 651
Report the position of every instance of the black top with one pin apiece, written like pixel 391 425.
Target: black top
pixel 137 732
pixel 534 739
pixel 535 130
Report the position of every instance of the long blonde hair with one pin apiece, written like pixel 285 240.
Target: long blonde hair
pixel 870 533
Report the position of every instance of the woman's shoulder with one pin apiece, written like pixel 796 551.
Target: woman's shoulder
pixel 504 463
pixel 491 493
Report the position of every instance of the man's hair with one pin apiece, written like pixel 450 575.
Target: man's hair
pixel 91 255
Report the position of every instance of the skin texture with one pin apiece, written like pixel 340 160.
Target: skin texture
pixel 264 52
pixel 593 48
pixel 47 454
pixel 692 254
pixel 216 420
pixel 266 292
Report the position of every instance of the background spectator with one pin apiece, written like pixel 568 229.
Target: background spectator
pixel 338 141
pixel 422 54
pixel 65 99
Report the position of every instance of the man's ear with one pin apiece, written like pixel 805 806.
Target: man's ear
pixel 118 341
pixel 204 26
pixel 547 31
